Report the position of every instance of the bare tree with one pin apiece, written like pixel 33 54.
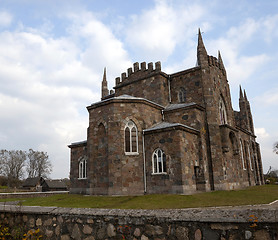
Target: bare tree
pixel 38 164
pixel 275 147
pixel 12 165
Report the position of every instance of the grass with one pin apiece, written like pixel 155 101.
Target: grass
pixel 253 195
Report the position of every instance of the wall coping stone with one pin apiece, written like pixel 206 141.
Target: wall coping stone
pixel 265 213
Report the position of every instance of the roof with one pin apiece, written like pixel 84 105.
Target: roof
pixel 57 183
pixel 165 125
pixel 180 105
pixel 75 144
pixel 31 182
pixel 125 97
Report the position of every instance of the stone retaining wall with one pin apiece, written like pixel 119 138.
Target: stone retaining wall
pixel 30 194
pixel 258 223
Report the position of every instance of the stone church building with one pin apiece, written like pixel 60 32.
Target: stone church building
pixel 167 133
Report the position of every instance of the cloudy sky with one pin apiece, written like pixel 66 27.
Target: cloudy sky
pixel 52 55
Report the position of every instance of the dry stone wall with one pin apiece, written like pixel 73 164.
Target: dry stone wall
pixel 258 223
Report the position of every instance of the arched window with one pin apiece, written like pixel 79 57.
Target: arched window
pixel 131 138
pixel 182 95
pixel 159 161
pixel 241 155
pixel 222 111
pixel 83 168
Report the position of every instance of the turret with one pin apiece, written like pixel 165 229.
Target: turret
pixel 249 114
pixel 246 120
pixel 104 88
pixel 202 56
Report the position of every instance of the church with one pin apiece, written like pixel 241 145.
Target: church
pixel 167 133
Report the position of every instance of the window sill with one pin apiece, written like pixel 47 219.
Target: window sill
pixel 131 153
pixel 162 173
pixel 81 178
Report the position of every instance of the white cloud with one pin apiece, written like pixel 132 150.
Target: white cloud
pixel 157 31
pixel 239 67
pixel 47 82
pixel 5 19
pixel 261 133
pixel 269 98
pixel 102 48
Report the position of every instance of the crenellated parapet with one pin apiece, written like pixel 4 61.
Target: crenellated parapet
pixel 138 71
pixel 216 62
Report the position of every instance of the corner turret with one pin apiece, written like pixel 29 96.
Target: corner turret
pixel 246 120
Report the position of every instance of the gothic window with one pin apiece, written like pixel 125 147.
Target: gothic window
pixel 159 161
pixel 241 155
pixel 182 95
pixel 83 168
pixel 222 111
pixel 131 138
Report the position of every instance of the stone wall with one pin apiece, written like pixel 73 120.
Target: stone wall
pixel 29 194
pixel 257 223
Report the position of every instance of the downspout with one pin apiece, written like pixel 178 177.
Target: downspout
pixel 169 88
pixel 144 165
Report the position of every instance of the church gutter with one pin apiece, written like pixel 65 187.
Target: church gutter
pixel 144 164
pixel 169 87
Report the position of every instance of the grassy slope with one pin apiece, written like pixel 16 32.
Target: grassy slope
pixel 252 195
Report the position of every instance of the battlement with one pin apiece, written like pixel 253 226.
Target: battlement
pixel 213 61
pixel 138 72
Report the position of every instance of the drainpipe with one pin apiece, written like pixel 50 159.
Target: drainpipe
pixel 169 88
pixel 144 166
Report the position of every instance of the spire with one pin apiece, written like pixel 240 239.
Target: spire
pixel 245 96
pixel 240 93
pixel 201 51
pixel 104 88
pixel 220 59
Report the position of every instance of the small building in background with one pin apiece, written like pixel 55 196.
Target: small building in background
pixel 54 185
pixel 33 184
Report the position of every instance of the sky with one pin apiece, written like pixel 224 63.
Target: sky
pixel 53 53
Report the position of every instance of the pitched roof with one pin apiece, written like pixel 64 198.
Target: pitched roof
pixel 164 125
pixel 181 105
pixel 31 182
pixel 56 183
pixel 124 97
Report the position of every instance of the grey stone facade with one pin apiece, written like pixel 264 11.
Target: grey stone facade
pixel 167 133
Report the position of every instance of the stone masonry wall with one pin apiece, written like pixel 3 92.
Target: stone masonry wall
pixel 227 223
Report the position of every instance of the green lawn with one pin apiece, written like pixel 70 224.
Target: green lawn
pixel 253 195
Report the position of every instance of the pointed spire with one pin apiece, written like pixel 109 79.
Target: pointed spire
pixel 221 64
pixel 240 93
pixel 201 51
pixel 104 75
pixel 245 96
pixel 220 59
pixel 104 88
